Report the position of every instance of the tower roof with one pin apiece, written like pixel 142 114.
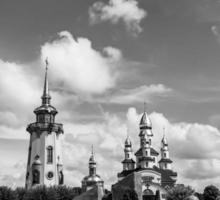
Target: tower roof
pixel 128 141
pixel 46 107
pixel 164 139
pixel 145 120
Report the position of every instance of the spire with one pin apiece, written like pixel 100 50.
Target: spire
pixel 92 164
pixel 46 97
pixel 164 140
pixel 128 141
pixel 91 159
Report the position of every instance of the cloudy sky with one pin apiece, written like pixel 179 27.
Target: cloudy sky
pixel 107 58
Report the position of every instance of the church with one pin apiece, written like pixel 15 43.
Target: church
pixel 147 173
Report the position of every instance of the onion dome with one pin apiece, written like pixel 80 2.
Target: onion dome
pixel 164 141
pixel 92 179
pixel 145 122
pixel 128 142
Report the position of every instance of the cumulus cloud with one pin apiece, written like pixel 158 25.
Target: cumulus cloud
pixel 77 66
pixel 115 11
pixel 216 32
pixel 17 86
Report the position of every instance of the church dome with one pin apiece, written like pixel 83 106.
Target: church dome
pixel 92 179
pixel 128 141
pixel 164 141
pixel 45 109
pixel 145 121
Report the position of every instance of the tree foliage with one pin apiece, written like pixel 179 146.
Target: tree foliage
pixel 39 193
pixel 211 192
pixel 7 193
pixel 179 192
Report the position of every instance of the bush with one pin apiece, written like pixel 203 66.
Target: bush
pixel 179 192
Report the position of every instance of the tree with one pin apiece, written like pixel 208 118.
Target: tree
pixel 41 193
pixel 107 196
pixel 199 196
pixel 66 193
pixel 210 192
pixel 7 193
pixel 20 192
pixel 179 192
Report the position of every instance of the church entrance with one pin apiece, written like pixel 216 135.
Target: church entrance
pixel 148 197
pixel 148 194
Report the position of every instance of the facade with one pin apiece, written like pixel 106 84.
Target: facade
pixel 44 165
pixel 93 179
pixel 148 177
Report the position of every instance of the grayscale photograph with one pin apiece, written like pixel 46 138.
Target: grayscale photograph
pixel 109 100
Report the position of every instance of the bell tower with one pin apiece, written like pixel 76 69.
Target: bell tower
pixel 44 165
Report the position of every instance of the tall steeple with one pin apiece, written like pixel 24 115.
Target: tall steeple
pixel 46 96
pixel 44 165
pixel 165 161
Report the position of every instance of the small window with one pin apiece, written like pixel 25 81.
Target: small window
pixel 50 154
pixel 50 175
pixel 165 155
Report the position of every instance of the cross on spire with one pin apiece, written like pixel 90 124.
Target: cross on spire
pixel 92 150
pixel 145 105
pixel 164 131
pixel 47 63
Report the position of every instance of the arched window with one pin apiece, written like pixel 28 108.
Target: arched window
pixel 50 154
pixel 36 177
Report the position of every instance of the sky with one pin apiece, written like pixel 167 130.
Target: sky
pixel 106 58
